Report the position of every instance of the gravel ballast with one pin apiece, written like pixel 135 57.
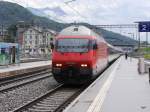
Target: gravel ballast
pixel 20 96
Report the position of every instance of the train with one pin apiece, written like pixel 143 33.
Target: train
pixel 79 55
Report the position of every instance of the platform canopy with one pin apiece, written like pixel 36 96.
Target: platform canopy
pixel 8 45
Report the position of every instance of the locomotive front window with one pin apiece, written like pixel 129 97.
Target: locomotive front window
pixel 72 45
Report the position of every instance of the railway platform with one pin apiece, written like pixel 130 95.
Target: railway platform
pixel 18 69
pixel 119 89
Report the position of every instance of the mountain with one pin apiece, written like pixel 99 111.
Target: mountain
pixel 11 13
pixel 37 12
pixel 117 39
pixel 57 10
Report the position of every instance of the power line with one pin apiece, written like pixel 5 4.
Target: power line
pixel 54 17
pixel 69 1
pixel 118 26
pixel 77 12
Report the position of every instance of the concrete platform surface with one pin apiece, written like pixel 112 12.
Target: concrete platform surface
pixel 24 66
pixel 119 89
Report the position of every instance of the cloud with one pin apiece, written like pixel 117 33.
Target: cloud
pixel 96 11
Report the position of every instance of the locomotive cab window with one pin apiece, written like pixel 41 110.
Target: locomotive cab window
pixel 72 45
pixel 94 44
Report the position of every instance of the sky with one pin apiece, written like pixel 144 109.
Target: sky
pixel 98 12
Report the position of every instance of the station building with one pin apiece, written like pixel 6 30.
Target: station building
pixel 9 53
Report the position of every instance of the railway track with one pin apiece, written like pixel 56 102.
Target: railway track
pixel 53 101
pixel 24 76
pixel 21 81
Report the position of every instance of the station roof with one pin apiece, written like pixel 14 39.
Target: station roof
pixel 7 45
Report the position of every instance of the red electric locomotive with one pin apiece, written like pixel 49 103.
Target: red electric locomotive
pixel 79 55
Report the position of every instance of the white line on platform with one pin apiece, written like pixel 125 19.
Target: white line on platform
pixel 98 101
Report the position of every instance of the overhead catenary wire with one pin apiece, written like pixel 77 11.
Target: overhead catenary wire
pixel 76 11
pixel 69 1
pixel 55 18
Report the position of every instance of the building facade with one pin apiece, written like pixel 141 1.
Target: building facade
pixel 36 41
pixel 3 34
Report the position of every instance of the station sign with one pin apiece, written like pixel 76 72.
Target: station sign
pixel 144 26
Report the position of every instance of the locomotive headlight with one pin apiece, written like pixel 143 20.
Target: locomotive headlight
pixel 58 65
pixel 83 65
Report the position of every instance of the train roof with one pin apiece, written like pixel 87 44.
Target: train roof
pixel 78 30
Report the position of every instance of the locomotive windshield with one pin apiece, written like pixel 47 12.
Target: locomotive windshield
pixel 72 45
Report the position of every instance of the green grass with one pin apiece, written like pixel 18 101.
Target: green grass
pixel 147 56
pixel 145 52
pixel 145 49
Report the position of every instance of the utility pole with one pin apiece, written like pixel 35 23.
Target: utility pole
pixel 136 36
pixel 146 39
pixel 139 40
